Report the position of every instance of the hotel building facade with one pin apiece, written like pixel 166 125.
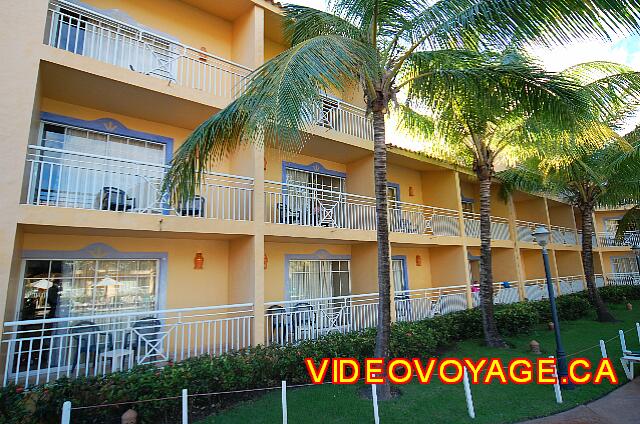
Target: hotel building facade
pixel 100 270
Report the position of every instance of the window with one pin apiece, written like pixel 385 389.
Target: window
pixel 624 265
pixel 398 274
pixel 71 288
pixel 317 279
pixel 314 198
pixel 393 192
pixel 611 225
pixel 76 165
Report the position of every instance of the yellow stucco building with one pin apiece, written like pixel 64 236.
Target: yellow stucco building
pixel 99 270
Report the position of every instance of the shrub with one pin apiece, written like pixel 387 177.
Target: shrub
pixel 619 294
pixel 266 366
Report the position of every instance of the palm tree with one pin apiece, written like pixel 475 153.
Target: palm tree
pixel 376 45
pixel 604 177
pixel 475 127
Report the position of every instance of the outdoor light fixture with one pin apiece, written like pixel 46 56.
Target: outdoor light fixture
pixel 418 260
pixel 266 261
pixel 198 261
pixel 411 191
pixel 541 236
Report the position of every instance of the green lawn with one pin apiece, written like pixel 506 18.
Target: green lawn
pixel 438 403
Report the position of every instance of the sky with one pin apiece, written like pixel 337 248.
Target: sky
pixel 622 50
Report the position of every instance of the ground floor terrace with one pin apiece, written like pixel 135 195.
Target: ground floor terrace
pixel 85 304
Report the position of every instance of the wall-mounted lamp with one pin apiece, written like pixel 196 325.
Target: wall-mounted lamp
pixel 266 261
pixel 265 164
pixel 411 191
pixel 198 261
pixel 418 260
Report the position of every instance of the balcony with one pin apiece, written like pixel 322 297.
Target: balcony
pixel 335 114
pixel 67 179
pixel 623 279
pixel 563 235
pixel 85 32
pixel 88 33
pixel 499 226
pixel 43 350
pixel 524 230
pixel 312 207
pixel 607 239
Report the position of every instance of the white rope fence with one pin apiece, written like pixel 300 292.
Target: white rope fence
pixel 67 407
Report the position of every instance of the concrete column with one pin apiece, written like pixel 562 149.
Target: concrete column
pixel 463 237
pixel 21 35
pixel 516 247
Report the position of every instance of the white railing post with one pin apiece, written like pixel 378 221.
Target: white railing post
pixel 467 393
pixel 284 402
pixel 66 413
pixel 185 406
pixel 374 397
pixel 603 349
pixel 556 385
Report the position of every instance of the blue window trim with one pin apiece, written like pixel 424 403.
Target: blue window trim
pixel 316 167
pixel 110 126
pixel 397 187
pixel 405 269
pixel 318 255
pixel 102 251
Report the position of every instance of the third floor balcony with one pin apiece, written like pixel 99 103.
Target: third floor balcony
pixel 86 32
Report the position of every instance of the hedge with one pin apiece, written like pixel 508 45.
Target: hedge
pixel 261 366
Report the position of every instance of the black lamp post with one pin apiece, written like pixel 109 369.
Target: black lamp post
pixel 541 236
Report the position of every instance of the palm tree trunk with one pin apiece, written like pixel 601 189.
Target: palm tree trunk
pixel 602 311
pixel 491 335
pixel 384 258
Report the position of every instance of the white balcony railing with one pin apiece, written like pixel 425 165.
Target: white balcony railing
pixel 499 226
pixel 563 235
pixel 89 33
pixel 419 219
pixel 312 207
pixel 524 230
pixel 307 319
pixel 623 279
pixel 335 114
pixel 69 179
pixel 42 350
pixel 306 206
pixel 419 304
pixel 629 238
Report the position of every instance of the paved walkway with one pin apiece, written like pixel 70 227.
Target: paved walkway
pixel 622 406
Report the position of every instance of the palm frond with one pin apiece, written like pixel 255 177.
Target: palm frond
pixel 503 23
pixel 303 23
pixel 281 99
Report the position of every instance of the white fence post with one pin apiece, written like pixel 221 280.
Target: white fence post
pixel 185 407
pixel 374 396
pixel 603 349
pixel 284 402
pixel 556 385
pixel 467 393
pixel 66 413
